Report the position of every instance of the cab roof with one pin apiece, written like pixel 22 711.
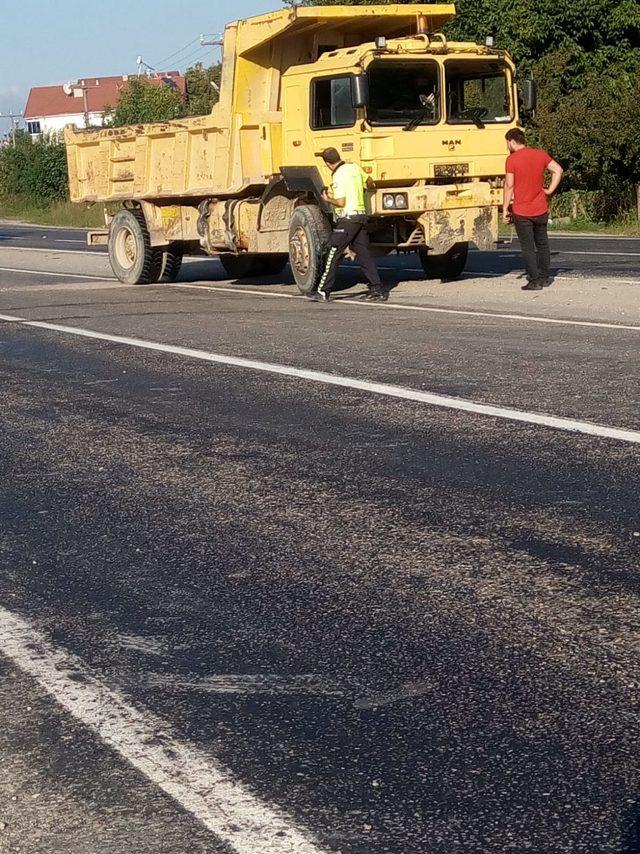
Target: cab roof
pixel 358 24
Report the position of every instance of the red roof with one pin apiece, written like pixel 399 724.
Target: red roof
pixel 101 93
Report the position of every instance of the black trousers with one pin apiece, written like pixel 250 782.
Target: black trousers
pixel 350 232
pixel 534 241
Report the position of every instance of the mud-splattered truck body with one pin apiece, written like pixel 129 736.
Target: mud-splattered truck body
pixel 424 117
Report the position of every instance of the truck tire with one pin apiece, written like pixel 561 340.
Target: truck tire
pixel 252 266
pixel 133 259
pixel 446 267
pixel 171 264
pixel 309 237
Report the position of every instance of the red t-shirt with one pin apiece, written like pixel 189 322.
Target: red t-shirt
pixel 528 166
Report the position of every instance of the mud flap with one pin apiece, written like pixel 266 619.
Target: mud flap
pixel 444 228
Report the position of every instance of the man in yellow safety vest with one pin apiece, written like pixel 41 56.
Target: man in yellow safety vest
pixel 350 231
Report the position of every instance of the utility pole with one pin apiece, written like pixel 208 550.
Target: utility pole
pixel 70 90
pixel 14 119
pixel 85 105
pixel 217 41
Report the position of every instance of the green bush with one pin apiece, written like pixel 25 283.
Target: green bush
pixel 36 170
pixel 593 205
pixel 143 102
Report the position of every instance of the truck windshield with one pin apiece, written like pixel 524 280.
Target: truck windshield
pixel 477 92
pixel 401 93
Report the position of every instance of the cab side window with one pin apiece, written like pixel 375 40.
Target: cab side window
pixel 331 103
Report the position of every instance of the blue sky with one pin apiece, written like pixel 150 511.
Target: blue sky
pixel 52 41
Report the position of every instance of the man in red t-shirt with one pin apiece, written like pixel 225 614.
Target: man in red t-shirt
pixel 526 204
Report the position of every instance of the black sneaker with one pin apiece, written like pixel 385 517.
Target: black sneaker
pixel 376 295
pixel 318 296
pixel 532 286
pixel 379 296
pixel 546 282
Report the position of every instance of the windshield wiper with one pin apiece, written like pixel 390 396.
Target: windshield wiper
pixel 417 120
pixel 476 114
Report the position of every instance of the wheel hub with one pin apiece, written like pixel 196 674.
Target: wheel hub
pixel 125 248
pixel 300 253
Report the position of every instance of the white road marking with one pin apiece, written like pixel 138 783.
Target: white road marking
pixel 394 306
pixel 50 250
pixel 563 235
pixel 244 683
pixel 407 692
pixel 609 282
pixel 438 400
pixel 187 774
pixel 235 290
pixel 56 275
pixel 608 254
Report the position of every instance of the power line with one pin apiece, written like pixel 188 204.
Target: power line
pixel 216 42
pixel 176 53
pixel 198 55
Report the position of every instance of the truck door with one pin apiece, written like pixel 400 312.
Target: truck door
pixel 333 118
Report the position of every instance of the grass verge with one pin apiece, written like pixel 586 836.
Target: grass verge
pixel 625 227
pixel 24 209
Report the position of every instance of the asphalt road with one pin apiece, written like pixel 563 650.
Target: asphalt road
pixel 572 254
pixel 399 626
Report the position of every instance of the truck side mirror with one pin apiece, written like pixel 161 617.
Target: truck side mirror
pixel 529 95
pixel 360 91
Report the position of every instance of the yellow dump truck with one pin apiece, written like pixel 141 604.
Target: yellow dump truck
pixel 424 117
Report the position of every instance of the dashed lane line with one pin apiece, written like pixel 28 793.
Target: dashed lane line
pixel 399 392
pixel 52 250
pixel 189 775
pixel 55 275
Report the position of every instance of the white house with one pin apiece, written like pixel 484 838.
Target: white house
pixel 50 108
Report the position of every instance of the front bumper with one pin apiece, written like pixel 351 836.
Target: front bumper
pixel 443 215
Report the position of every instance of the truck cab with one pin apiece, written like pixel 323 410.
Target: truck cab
pixel 426 120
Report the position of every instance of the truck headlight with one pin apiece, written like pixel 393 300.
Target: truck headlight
pixel 395 201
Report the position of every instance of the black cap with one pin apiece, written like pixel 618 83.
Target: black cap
pixel 329 155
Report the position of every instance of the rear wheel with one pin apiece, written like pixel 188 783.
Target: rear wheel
pixel 171 264
pixel 251 266
pixel 133 259
pixel 448 266
pixel 309 237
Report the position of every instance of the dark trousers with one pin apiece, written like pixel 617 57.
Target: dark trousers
pixel 350 232
pixel 534 241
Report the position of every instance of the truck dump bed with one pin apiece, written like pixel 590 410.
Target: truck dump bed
pixel 238 146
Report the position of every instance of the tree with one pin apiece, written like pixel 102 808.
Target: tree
pixel 201 94
pixel 586 57
pixel 142 102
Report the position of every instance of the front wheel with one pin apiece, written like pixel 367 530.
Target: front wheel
pixel 446 267
pixel 133 259
pixel 309 238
